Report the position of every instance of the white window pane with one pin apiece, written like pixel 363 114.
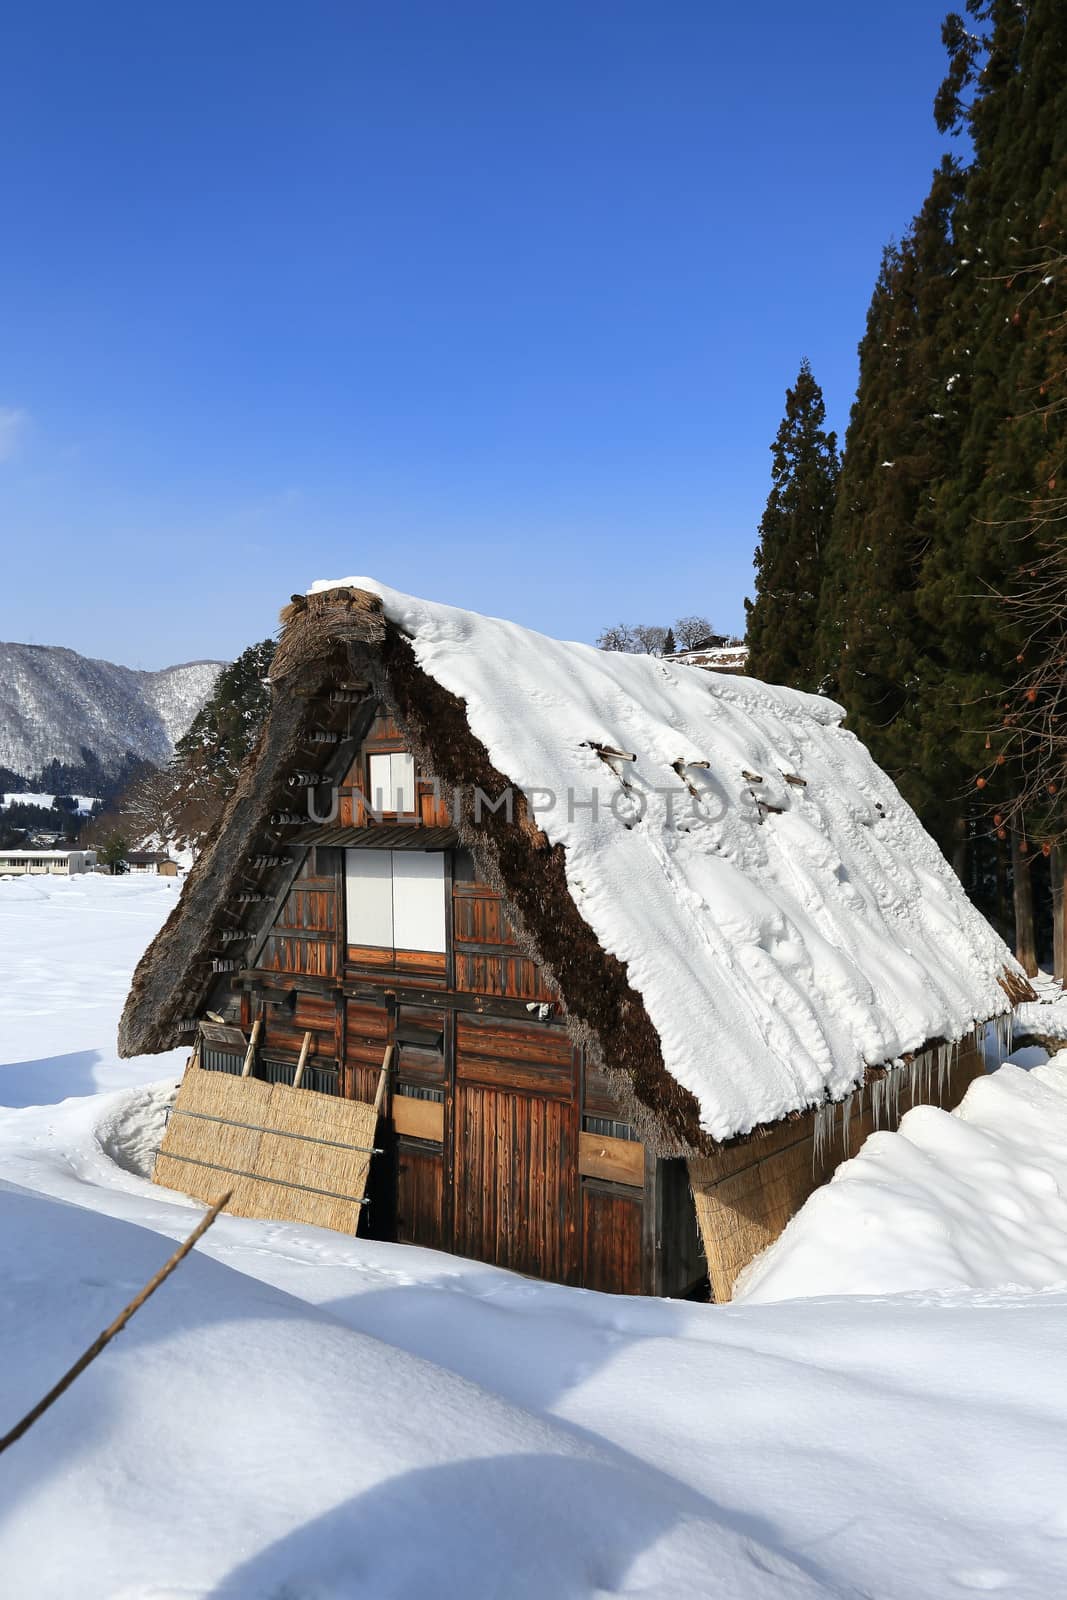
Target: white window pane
pixel 380 783
pixel 369 897
pixel 392 782
pixel 418 900
pixel 402 781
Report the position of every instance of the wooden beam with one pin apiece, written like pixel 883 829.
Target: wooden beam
pixel 265 982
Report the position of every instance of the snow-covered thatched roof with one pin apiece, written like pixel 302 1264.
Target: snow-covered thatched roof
pixel 741 919
pixel 782 935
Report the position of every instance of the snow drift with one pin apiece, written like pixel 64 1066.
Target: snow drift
pixel 975 1198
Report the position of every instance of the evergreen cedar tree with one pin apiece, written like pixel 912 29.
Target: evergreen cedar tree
pixel 945 503
pixel 184 800
pixel 227 725
pixel 793 538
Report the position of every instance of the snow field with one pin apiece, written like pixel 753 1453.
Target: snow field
pixel 299 1415
pixel 85 802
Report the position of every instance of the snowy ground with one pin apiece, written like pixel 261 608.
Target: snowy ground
pixel 302 1416
pixel 85 802
pixel 1046 1017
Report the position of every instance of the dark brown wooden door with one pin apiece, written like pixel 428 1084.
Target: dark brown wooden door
pixel 611 1235
pixel 419 1196
pixel 516 1181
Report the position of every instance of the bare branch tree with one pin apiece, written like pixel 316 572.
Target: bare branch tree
pixel 650 637
pixel 690 631
pixel 619 637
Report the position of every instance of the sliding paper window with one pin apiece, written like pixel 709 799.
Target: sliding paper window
pixel 392 782
pixel 395 899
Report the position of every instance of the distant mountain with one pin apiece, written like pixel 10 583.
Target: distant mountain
pixel 55 705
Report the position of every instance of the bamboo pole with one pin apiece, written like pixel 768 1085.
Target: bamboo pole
pixel 298 1075
pixel 379 1093
pixel 105 1338
pixel 250 1053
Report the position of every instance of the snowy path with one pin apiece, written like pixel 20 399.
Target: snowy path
pixel 301 1416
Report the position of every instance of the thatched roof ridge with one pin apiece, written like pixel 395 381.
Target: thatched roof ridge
pixel 174 972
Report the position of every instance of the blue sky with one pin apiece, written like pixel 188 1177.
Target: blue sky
pixel 496 302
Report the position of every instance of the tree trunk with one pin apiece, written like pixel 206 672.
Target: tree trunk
pixel 960 850
pixel 1005 913
pixel 1025 942
pixel 1058 865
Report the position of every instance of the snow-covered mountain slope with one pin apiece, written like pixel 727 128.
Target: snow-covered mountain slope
pixel 54 703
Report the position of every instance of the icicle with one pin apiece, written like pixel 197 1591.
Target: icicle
pixel 942 1066
pixel 823 1133
pixel 1003 1032
pixel 846 1124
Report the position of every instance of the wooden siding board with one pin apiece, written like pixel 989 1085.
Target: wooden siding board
pixel 420 1204
pixel 614 1160
pixel 611 1240
pixel 418 1119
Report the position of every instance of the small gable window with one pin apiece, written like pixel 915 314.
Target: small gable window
pixel 392 782
pixel 395 899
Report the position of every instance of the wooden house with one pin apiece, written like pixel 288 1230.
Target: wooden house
pixel 151 863
pixel 652 947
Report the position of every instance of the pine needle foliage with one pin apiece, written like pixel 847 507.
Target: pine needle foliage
pixel 793 537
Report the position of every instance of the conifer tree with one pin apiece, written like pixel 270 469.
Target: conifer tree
pixel 227 725
pixel 1007 89
pixel 876 653
pixel 793 535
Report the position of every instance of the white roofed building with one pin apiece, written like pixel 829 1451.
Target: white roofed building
pixel 17 863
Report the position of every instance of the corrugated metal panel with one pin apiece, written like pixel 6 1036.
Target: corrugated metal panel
pixel 385 837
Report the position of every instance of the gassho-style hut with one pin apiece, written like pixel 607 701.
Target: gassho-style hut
pixel 652 949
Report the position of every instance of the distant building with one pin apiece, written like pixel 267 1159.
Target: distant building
pixel 716 653
pixel 156 862
pixel 18 863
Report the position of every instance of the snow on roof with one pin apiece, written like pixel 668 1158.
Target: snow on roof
pixel 782 935
pixel 43 855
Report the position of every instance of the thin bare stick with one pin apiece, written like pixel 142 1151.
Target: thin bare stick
pixel 250 1053
pixel 387 1061
pixel 117 1326
pixel 298 1075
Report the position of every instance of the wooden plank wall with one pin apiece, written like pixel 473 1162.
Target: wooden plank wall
pixel 304 937
pixel 482 1154
pixel 487 954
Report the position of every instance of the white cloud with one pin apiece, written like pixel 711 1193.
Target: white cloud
pixel 12 429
